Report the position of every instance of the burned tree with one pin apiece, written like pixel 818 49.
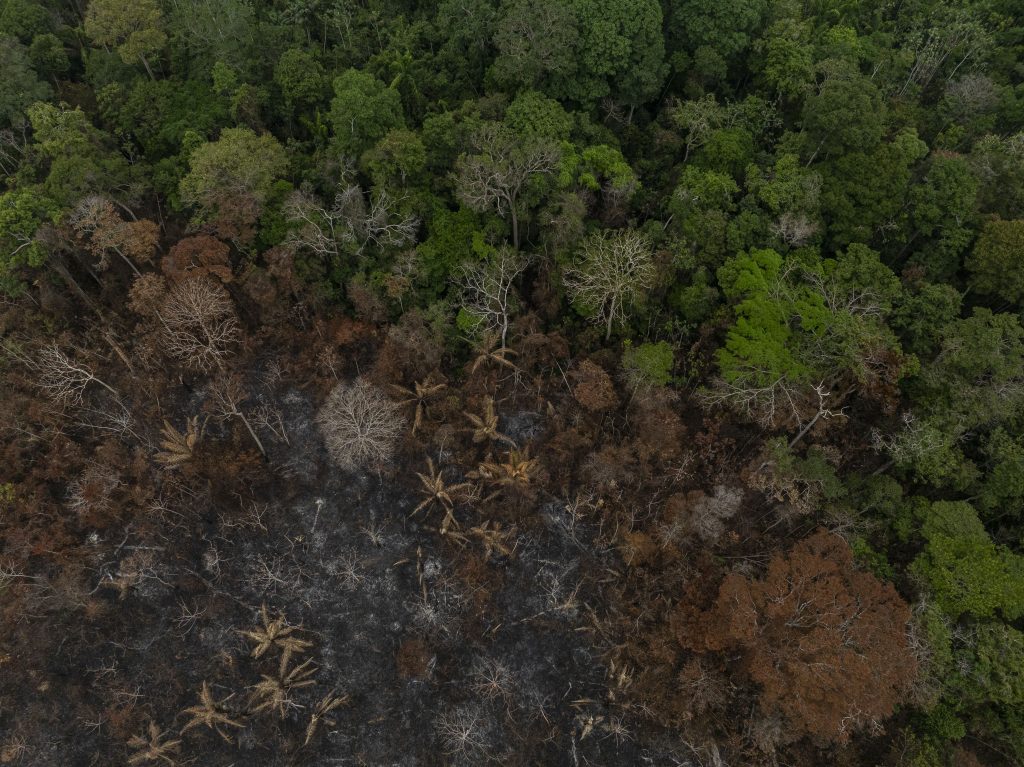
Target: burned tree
pixel 360 425
pixel 826 643
pixel 199 324
pixel 103 231
pixel 61 377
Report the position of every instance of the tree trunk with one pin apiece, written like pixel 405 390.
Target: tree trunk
pixel 147 70
pixel 251 432
pixel 72 283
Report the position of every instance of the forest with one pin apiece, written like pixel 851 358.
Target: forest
pixel 633 383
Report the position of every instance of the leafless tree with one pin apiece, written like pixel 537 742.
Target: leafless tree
pixel 60 377
pixel 950 36
pixel 359 424
pixel 465 733
pixel 227 395
pixel 768 405
pixel 613 271
pixel 199 323
pixel 496 174
pixel 794 229
pixel 348 221
pixel 488 295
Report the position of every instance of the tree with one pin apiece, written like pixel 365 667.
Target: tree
pixel 975 383
pixel 536 41
pixel 20 86
pixel 501 172
pixel 22 213
pixel 227 394
pixel 845 115
pixel 81 160
pixel 612 273
pixel 360 425
pixel 134 29
pixel 621 51
pixel 363 110
pixel 582 50
pixel 648 364
pixel 488 294
pixel 349 225
pixel 963 569
pixel 826 643
pixel 801 323
pixel 300 77
pixel 98 223
pixel 997 262
pixel 61 377
pixel 197 256
pixel 231 178
pixel 713 32
pixel 199 324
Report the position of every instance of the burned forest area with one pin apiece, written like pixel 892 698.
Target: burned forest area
pixel 541 383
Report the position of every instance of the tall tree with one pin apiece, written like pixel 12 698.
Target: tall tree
pixel 134 29
pixel 613 271
pixel 503 171
pixel 826 642
pixel 231 178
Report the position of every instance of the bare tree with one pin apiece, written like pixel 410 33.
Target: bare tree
pixel 359 424
pixel 62 378
pixel 768 405
pixel 199 323
pixel 794 229
pixel 227 396
pixel 497 174
pixel 488 296
pixel 348 221
pixel 614 270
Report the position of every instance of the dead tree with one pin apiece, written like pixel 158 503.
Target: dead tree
pixel 199 324
pixel 62 378
pixel 487 289
pixel 227 395
pixel 360 425
pixel 613 272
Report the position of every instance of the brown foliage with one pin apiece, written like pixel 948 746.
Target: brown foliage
pixel 826 642
pixel 658 429
pixel 593 387
pixel 103 231
pixel 146 294
pixel 198 256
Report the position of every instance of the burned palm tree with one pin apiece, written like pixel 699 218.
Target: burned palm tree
pixel 152 747
pixel 436 492
pixel 322 713
pixel 421 393
pixel 485 425
pixel 178 447
pixel 515 472
pixel 210 713
pixel 275 693
pixel 488 350
pixel 276 634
